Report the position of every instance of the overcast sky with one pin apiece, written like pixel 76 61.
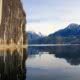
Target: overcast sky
pixel 48 16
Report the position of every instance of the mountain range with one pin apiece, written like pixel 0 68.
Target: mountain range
pixel 68 35
pixel 33 36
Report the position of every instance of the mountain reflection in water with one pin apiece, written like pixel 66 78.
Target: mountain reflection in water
pixel 53 63
pixel 70 53
pixel 12 64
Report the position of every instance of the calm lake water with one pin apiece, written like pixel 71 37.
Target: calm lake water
pixel 12 64
pixel 53 63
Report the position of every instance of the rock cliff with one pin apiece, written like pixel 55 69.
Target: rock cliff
pixel 12 22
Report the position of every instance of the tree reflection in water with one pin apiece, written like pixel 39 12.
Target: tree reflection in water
pixel 12 64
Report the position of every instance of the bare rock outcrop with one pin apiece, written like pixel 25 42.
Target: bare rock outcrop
pixel 12 22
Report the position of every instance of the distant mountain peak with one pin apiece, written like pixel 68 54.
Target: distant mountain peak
pixel 73 25
pixel 33 35
pixel 68 35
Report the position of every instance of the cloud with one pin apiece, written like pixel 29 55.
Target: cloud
pixel 51 15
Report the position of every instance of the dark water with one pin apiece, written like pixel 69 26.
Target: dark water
pixel 12 64
pixel 53 63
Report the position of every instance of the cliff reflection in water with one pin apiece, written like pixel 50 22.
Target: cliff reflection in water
pixel 12 64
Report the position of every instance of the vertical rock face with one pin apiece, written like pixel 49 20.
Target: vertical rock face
pixel 0 10
pixel 12 22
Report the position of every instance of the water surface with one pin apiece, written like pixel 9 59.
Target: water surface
pixel 53 63
pixel 12 64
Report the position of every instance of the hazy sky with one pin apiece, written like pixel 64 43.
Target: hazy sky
pixel 48 16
